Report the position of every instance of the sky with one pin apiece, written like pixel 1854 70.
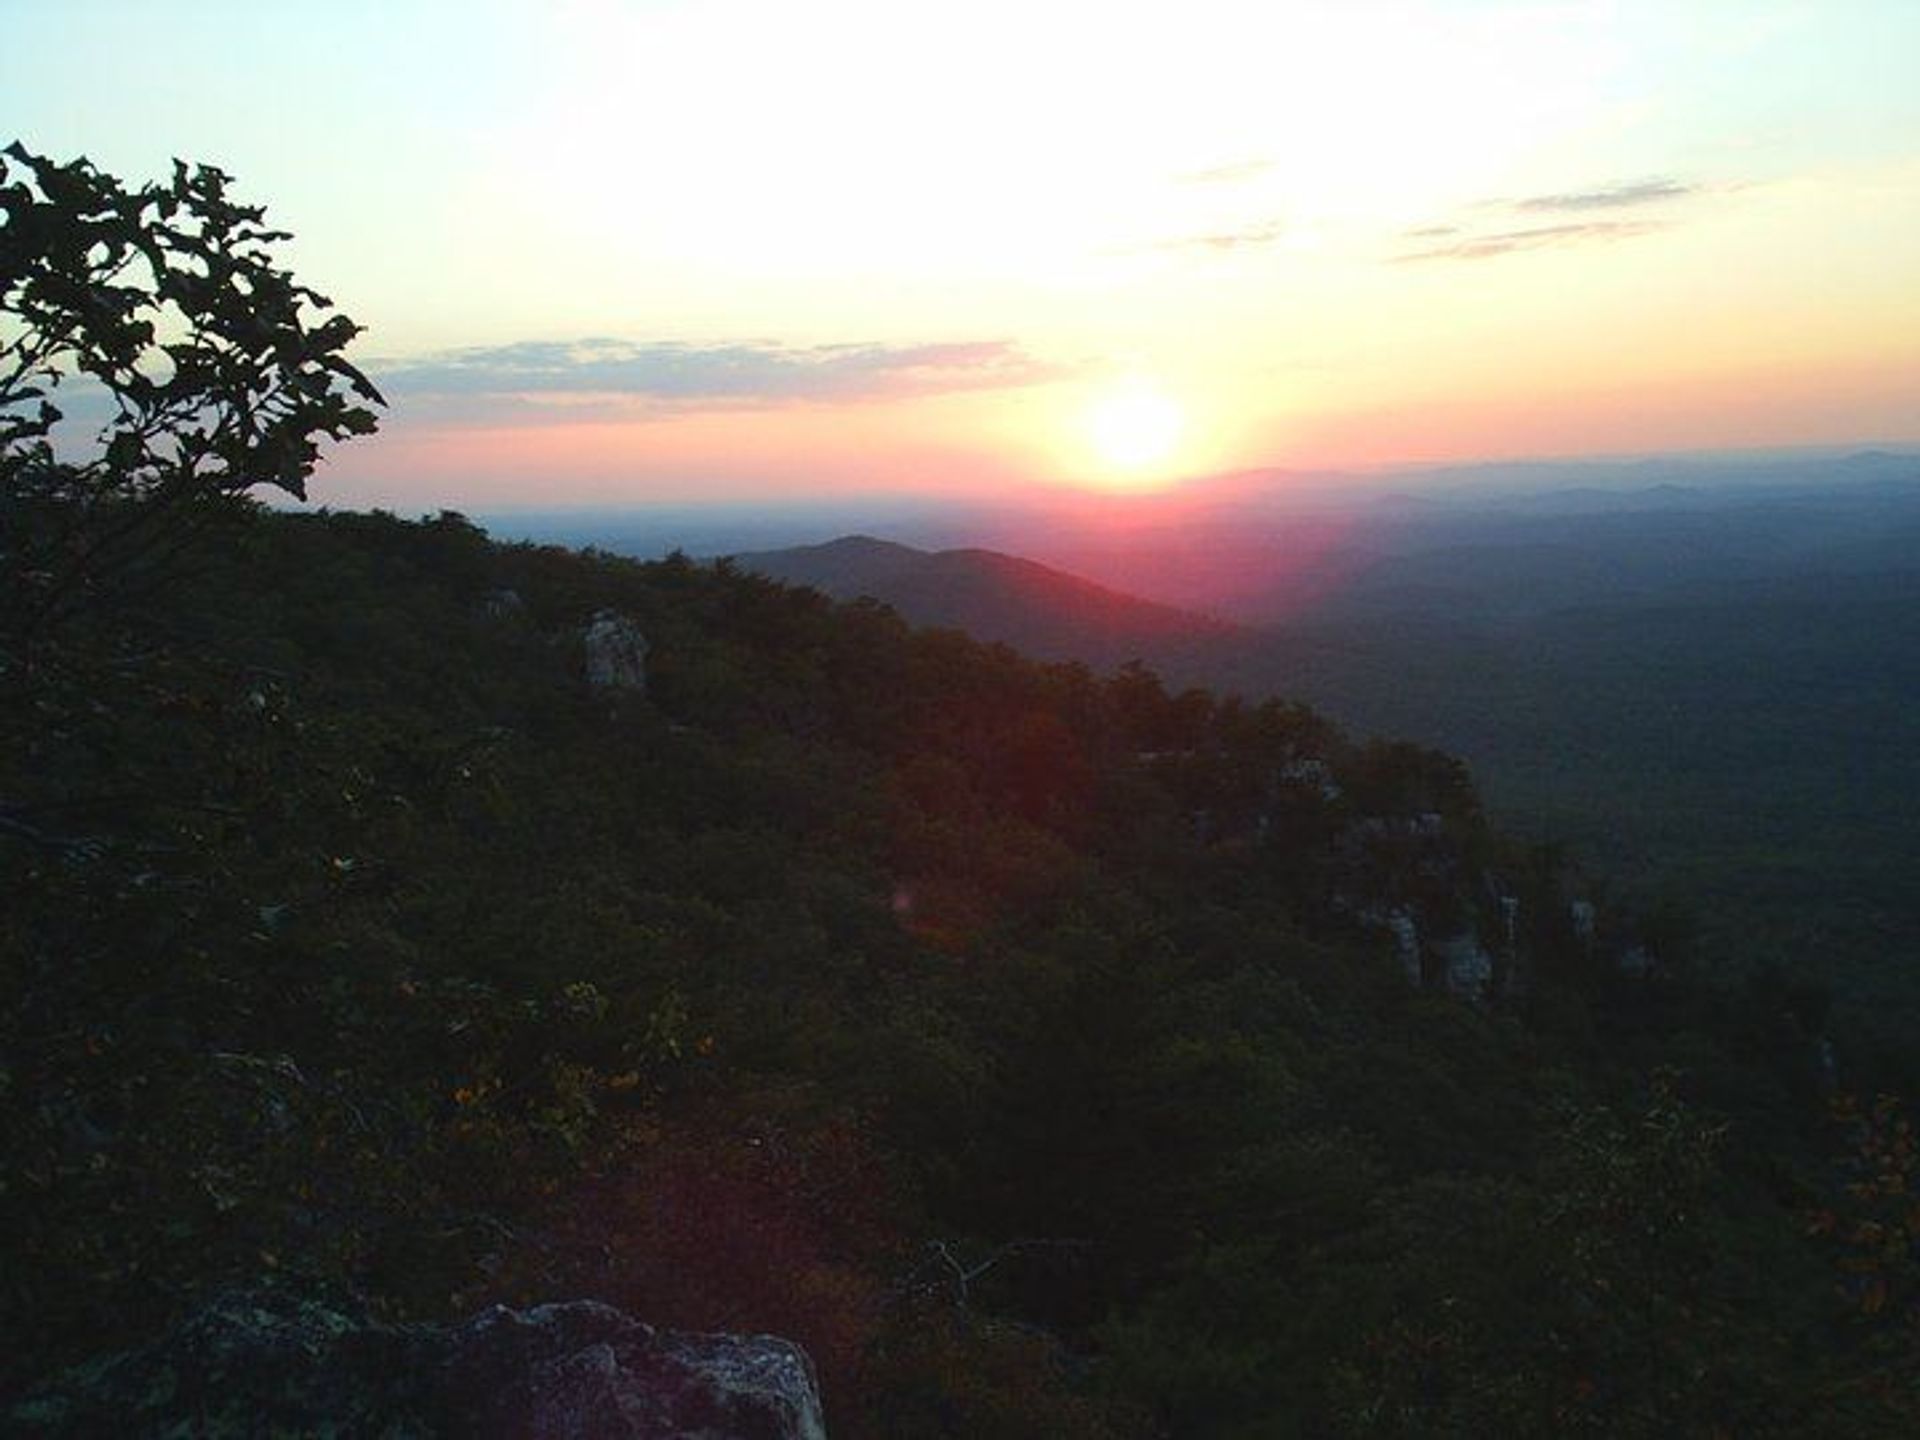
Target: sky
pixel 619 253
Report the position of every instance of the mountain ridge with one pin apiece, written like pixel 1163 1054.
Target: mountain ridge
pixel 992 595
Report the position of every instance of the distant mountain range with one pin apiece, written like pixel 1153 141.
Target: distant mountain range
pixel 1221 543
pixel 1703 672
pixel 1711 690
pixel 994 597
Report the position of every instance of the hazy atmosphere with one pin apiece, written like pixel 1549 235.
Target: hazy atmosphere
pixel 960 722
pixel 619 253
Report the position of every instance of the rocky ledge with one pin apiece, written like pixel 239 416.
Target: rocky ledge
pixel 269 1363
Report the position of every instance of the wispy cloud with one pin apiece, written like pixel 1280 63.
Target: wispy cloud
pixel 1251 237
pixel 673 376
pixel 1236 173
pixel 1606 197
pixel 1475 235
pixel 1539 237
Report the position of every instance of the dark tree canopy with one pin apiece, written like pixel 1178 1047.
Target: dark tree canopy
pixel 191 366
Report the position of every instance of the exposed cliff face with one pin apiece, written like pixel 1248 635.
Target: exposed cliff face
pixel 253 1364
pixel 1463 917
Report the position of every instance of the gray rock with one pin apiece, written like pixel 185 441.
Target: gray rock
pixel 1510 922
pixel 1466 966
pixel 246 1364
pixel 269 1363
pixel 1585 921
pixel 616 653
pixel 584 1371
pixel 1405 931
pixel 1826 1067
pixel 1311 774
pixel 1406 944
pixel 503 605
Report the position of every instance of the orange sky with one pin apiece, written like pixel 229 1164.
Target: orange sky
pixel 629 252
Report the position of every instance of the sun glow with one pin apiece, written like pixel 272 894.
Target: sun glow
pixel 1134 427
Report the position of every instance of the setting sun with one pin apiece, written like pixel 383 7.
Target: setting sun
pixel 1134 426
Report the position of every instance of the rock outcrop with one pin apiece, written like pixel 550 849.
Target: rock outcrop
pixel 1406 945
pixel 1311 774
pixel 587 1370
pixel 503 605
pixel 1465 967
pixel 269 1363
pixel 1585 921
pixel 616 653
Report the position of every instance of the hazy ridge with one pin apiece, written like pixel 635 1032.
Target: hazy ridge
pixel 1710 692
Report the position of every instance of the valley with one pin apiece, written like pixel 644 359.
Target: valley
pixel 1708 694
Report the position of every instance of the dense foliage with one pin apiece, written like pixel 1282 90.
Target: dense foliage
pixel 194 368
pixel 1010 1036
pixel 1712 695
pixel 1032 1046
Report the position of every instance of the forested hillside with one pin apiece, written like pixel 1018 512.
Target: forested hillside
pixel 1708 694
pixel 1050 1054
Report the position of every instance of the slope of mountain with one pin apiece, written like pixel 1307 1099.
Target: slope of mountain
pixel 993 597
pixel 1046 1054
pixel 1711 694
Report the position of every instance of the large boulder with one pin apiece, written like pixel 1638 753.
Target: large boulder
pixel 583 1371
pixel 270 1363
pixel 616 652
